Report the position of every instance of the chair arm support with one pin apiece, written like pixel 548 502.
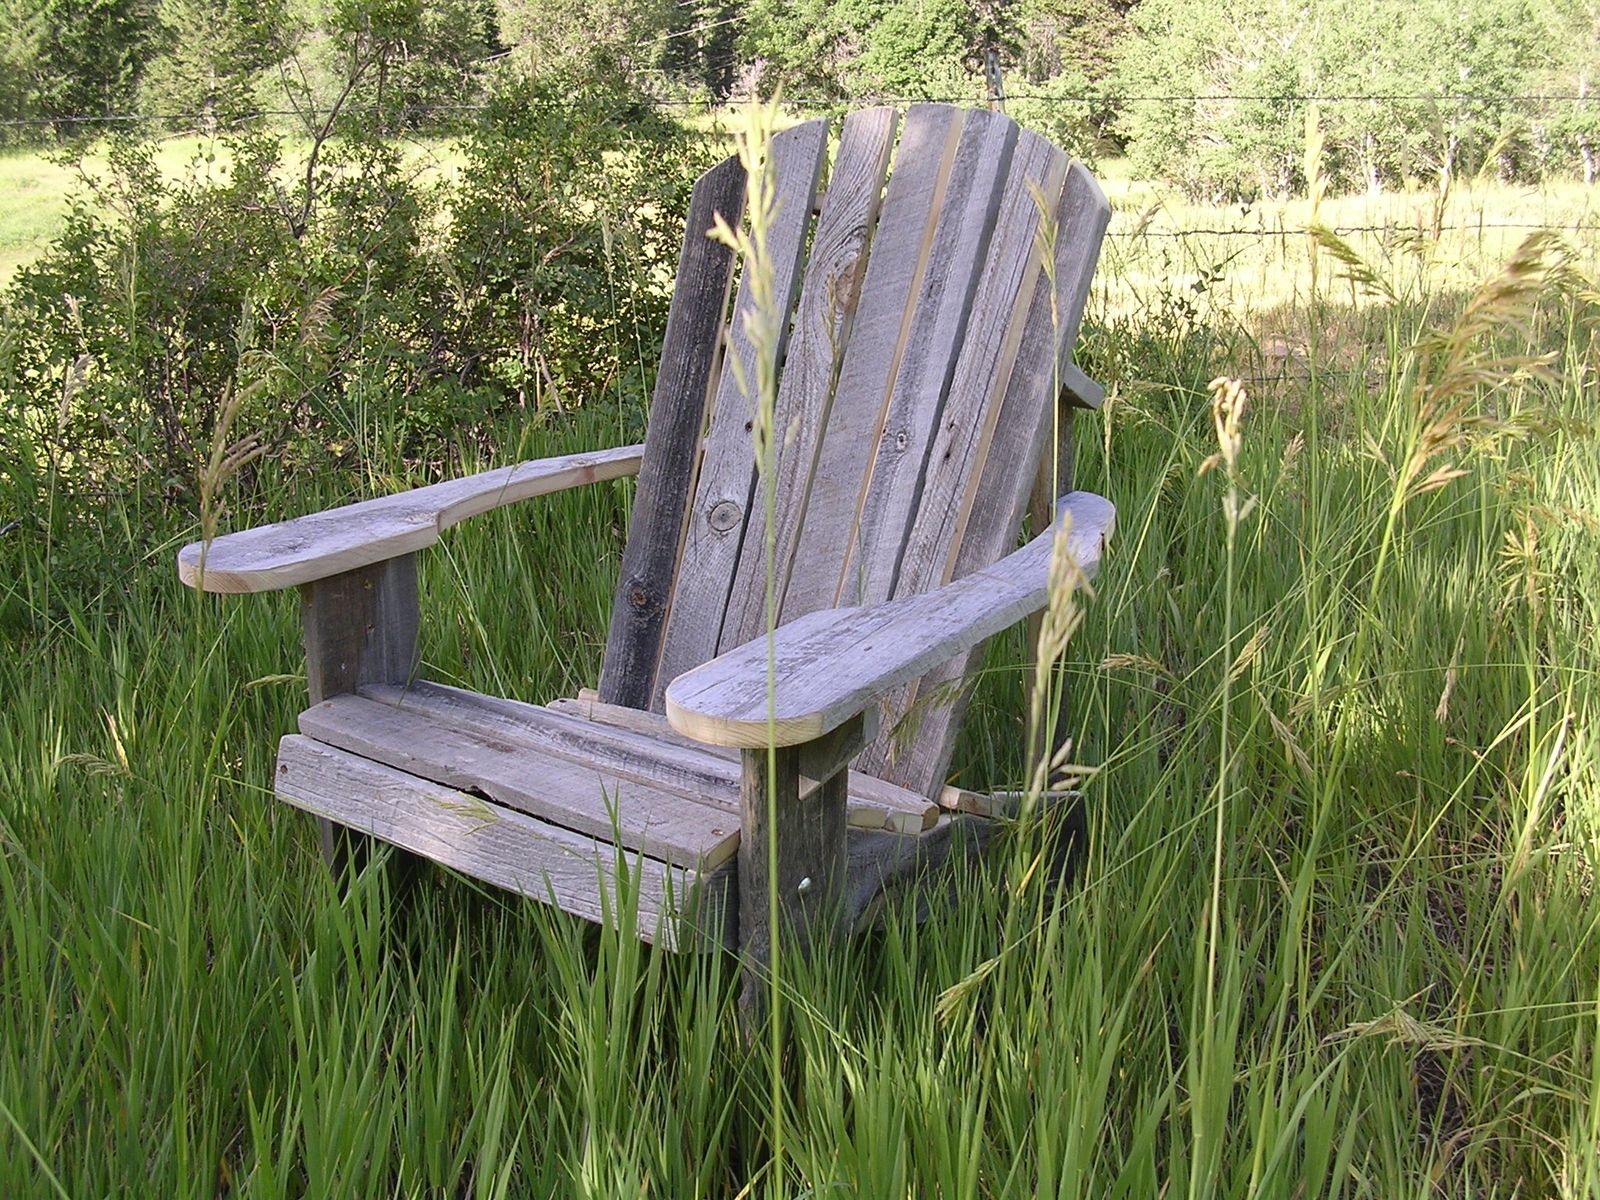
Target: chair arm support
pixel 328 543
pixel 831 665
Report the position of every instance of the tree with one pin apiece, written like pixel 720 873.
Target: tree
pixel 861 49
pixel 90 56
pixel 21 38
pixel 574 37
pixel 207 54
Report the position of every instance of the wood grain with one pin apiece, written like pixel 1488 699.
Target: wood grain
pixel 585 799
pixel 357 535
pixel 360 627
pixel 831 665
pixel 685 381
pixel 959 255
pixel 677 908
pixel 822 328
pixel 1000 490
pixel 873 804
pixel 884 320
pixel 722 494
pixel 642 747
pixel 806 876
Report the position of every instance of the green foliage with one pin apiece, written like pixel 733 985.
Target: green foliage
pixel 1421 92
pixel 563 233
pixel 90 54
pixel 312 294
pixel 614 40
pixel 208 55
pixel 861 49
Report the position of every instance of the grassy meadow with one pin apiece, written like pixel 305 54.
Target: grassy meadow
pixel 1334 933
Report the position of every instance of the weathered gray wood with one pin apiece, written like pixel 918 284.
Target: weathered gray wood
pixel 828 756
pixel 677 908
pixel 822 329
pixel 359 535
pixel 959 255
pixel 832 665
pixel 1001 487
pixel 679 765
pixel 883 322
pixel 361 627
pixel 1079 390
pixel 1003 804
pixel 644 748
pixel 873 804
pixel 721 507
pixel 1007 286
pixel 809 833
pixel 584 799
pixel 685 381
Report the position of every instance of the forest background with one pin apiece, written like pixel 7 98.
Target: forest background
pixel 1208 94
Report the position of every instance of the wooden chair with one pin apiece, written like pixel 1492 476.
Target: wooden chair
pixel 918 392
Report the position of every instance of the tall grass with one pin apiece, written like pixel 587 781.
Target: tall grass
pixel 1349 948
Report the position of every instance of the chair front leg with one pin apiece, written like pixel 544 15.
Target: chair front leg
pixel 360 627
pixel 807 893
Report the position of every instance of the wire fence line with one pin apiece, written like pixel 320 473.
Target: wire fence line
pixel 212 124
pixel 1349 230
pixel 1087 99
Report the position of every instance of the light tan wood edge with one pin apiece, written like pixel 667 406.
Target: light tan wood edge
pixel 830 665
pixel 357 535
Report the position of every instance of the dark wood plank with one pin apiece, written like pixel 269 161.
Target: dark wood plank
pixel 811 860
pixel 685 380
pixel 821 332
pixel 722 493
pixel 359 627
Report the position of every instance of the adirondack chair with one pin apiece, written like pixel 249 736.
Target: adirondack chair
pixel 917 398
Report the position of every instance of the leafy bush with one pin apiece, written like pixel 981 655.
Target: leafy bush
pixel 325 299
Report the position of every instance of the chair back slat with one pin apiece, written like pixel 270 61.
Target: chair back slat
pixel 685 380
pixel 722 492
pixel 936 326
pixel 917 755
pixel 823 324
pixel 883 323
pixel 916 396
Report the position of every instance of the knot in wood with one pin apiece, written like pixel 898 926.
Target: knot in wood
pixel 724 515
pixel 639 598
pixel 901 440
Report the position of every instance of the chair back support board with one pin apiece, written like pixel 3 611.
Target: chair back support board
pixel 917 392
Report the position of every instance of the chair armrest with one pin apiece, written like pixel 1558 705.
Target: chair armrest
pixel 833 664
pixel 357 535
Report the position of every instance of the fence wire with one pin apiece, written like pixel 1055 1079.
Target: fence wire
pixel 816 105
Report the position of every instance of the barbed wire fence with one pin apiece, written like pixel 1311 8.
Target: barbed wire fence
pixel 1135 223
